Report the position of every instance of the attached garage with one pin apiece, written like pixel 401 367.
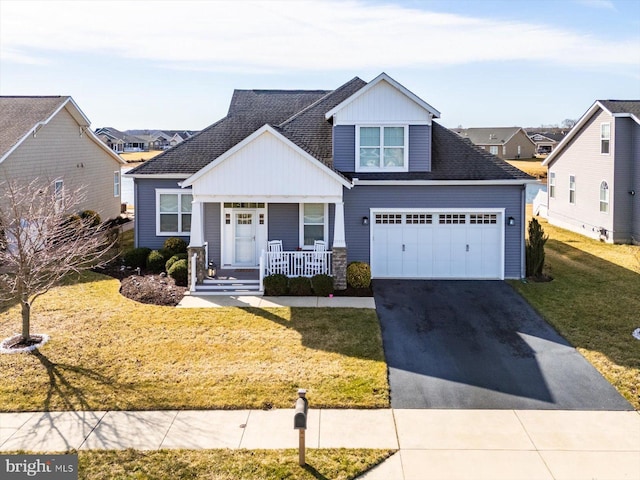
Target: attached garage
pixel 437 243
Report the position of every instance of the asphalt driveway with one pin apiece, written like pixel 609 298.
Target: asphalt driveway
pixel 479 345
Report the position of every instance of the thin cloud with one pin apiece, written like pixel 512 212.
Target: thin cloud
pixel 291 36
pixel 603 4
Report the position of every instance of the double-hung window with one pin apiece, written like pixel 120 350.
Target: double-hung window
pixel 173 212
pixel 572 189
pixel 313 220
pixel 58 194
pixel 493 150
pixel 604 197
pixel 605 138
pixel 382 148
pixel 552 185
pixel 116 184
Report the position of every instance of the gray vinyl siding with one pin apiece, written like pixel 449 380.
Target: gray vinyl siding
pixel 625 152
pixel 360 199
pixel 283 224
pixel 212 231
pixel 145 219
pixel 582 159
pixel 635 199
pixel 344 148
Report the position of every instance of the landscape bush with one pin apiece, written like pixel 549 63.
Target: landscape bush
pixel 534 249
pixel 155 262
pixel 322 285
pixel 358 275
pixel 91 215
pixel 179 272
pixel 300 286
pixel 174 259
pixel 136 257
pixel 276 284
pixel 174 245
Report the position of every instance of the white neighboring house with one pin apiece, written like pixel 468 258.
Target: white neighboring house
pixel 50 138
pixel 594 174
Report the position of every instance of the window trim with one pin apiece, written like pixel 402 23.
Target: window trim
pixel 58 194
pixel 552 184
pixel 172 191
pixel 301 225
pixel 382 126
pixel 116 183
pixel 572 189
pixel 606 202
pixel 494 149
pixel 603 139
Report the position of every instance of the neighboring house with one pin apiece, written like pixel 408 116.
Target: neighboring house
pixel 545 142
pixel 179 137
pixel 594 174
pixel 363 168
pixel 121 141
pixel 505 142
pixel 50 138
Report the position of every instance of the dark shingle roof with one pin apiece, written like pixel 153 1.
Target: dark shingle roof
pixel 454 158
pixel 300 117
pixel 488 135
pixel 19 115
pixel 622 106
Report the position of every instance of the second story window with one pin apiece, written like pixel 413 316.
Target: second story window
pixel 382 148
pixel 605 137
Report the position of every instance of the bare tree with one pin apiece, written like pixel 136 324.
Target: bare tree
pixel 43 240
pixel 569 123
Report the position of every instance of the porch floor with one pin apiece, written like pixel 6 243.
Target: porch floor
pixel 237 274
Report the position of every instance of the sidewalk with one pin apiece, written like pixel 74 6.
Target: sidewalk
pixel 442 444
pixel 212 301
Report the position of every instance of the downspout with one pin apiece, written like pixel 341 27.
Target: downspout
pixel 136 216
pixel 523 203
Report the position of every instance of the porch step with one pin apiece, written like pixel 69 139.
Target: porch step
pixel 228 287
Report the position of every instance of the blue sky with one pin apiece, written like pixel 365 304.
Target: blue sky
pixel 174 65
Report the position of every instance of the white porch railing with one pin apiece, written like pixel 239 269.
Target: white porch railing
pixel 540 204
pixel 194 269
pixel 295 264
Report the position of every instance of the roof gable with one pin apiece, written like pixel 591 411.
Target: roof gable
pixel 384 81
pixel 490 135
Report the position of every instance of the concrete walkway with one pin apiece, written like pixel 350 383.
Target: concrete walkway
pixel 441 444
pixel 213 301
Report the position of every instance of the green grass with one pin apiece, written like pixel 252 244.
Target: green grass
pixel 594 302
pixel 110 353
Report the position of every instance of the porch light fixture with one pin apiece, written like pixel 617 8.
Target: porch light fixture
pixel 511 221
pixel 365 220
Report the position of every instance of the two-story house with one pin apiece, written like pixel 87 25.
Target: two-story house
pixel 594 174
pixel 363 168
pixel 504 142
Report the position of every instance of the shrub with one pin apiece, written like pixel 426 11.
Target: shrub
pixel 276 285
pixel 300 286
pixel 179 272
pixel 322 285
pixel 358 275
pixel 155 262
pixel 136 257
pixel 534 249
pixel 175 245
pixel 174 259
pixel 92 216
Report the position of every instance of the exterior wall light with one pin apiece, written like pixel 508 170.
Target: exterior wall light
pixel 365 220
pixel 511 221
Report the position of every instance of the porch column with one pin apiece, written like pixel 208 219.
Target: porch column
pixel 196 244
pixel 339 248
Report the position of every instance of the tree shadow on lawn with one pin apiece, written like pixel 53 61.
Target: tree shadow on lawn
pixel 592 302
pixel 348 331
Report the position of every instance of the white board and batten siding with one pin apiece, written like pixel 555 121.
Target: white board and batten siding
pixel 382 104
pixel 268 169
pixel 437 243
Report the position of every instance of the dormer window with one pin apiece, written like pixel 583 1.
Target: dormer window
pixel 382 148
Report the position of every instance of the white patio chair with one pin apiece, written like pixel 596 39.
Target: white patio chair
pixel 277 260
pixel 317 262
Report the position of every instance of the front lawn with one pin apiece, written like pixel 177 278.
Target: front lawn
pixel 594 302
pixel 109 353
pixel 532 166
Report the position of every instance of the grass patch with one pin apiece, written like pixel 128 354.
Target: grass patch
pixel 110 353
pixel 594 302
pixel 532 166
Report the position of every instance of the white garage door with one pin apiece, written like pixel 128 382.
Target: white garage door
pixel 430 244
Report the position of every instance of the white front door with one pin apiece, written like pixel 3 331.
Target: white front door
pixel 245 237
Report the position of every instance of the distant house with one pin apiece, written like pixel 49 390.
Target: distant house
pixel 179 137
pixel 546 142
pixel 507 143
pixel 594 174
pixel 50 138
pixel 121 141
